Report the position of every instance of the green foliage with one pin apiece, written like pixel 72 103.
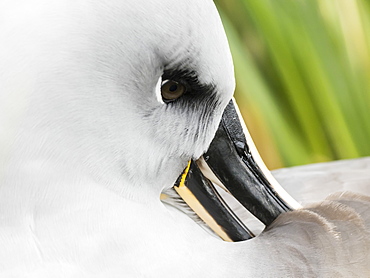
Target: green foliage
pixel 304 65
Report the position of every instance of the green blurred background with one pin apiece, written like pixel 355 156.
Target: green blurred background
pixel 303 76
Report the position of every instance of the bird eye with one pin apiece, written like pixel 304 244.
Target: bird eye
pixel 172 90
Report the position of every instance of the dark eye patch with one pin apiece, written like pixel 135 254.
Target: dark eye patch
pixel 189 78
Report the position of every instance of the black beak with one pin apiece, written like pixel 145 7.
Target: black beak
pixel 235 162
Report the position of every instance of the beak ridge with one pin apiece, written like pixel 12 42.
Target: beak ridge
pixel 239 172
pixel 235 163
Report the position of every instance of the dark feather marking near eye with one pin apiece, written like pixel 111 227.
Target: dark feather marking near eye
pixel 200 100
pixel 197 94
pixel 192 113
pixel 190 79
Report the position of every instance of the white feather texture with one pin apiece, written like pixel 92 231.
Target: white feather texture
pixel 86 148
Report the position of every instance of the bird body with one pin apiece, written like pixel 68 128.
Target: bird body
pixel 87 145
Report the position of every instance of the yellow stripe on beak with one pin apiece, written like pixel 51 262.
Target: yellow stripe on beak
pixel 186 194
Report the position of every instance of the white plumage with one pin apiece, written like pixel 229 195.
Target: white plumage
pixel 87 146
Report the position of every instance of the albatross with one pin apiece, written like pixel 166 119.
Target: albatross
pixel 103 104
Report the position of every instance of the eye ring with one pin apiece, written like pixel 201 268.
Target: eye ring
pixel 172 90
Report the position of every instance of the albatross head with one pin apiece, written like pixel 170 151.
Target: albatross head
pixel 122 94
pixel 102 105
pixel 127 91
